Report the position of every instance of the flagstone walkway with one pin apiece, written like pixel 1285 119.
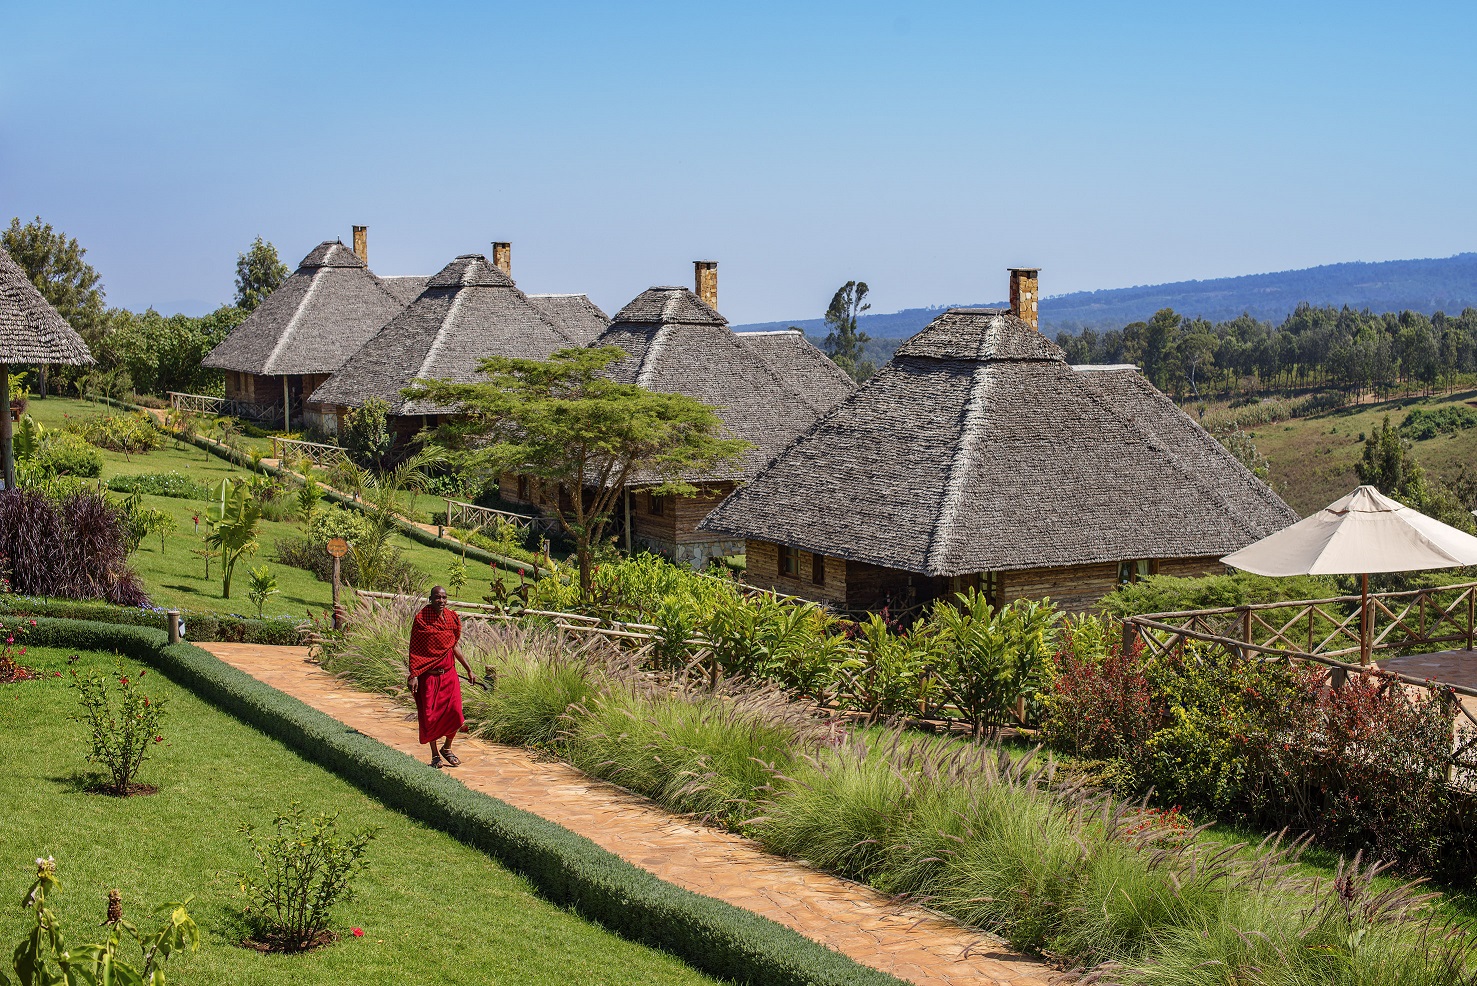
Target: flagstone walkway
pixel 909 942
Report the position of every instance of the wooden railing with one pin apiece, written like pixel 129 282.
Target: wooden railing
pixel 1322 631
pixel 286 449
pixel 206 404
pixel 469 516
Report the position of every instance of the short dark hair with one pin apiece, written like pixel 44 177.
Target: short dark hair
pixel 435 589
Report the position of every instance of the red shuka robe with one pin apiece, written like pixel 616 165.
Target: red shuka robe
pixel 438 696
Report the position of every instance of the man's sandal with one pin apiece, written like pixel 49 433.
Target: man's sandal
pixel 452 760
pixel 436 762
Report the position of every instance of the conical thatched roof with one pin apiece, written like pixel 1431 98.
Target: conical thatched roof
pixel 314 321
pixel 977 448
pixel 31 331
pixel 468 311
pixel 767 386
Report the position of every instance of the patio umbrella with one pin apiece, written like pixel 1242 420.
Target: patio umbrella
pixel 1364 532
pixel 31 333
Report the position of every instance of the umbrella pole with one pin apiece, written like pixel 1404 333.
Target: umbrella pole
pixel 1364 622
pixel 7 449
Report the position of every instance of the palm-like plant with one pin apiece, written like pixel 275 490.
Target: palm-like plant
pixel 233 531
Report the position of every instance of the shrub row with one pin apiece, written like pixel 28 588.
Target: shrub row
pixel 198 626
pixel 717 938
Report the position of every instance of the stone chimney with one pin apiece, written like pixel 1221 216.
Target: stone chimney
pixel 705 281
pixel 361 243
pixel 1024 294
pixel 502 256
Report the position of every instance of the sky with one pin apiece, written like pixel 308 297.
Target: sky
pixel 920 147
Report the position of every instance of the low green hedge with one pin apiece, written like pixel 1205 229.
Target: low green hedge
pixel 722 940
pixel 198 626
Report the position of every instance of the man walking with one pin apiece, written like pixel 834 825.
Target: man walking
pixel 435 638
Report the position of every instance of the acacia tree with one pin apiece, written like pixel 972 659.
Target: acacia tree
pixel 845 342
pixel 258 273
pixel 578 435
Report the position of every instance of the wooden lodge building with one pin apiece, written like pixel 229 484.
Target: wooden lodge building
pixel 468 311
pixel 768 387
pixel 306 329
pixel 979 457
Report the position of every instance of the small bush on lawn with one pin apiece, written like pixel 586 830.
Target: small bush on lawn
pixel 1425 423
pixel 170 484
pixel 76 548
pixel 127 433
pixel 307 867
pixel 62 453
pixel 122 735
pixel 42 958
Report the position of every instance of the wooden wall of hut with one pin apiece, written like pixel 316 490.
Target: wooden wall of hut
pixel 674 519
pixel 859 586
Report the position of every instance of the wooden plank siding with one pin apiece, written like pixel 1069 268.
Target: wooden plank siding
pixel 859 586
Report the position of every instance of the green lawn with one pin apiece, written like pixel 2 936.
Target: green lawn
pixel 175 577
pixel 432 910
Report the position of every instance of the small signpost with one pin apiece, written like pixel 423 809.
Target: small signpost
pixel 337 547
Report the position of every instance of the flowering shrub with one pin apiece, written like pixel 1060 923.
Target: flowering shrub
pixel 1100 706
pixel 121 737
pixel 306 867
pixel 12 650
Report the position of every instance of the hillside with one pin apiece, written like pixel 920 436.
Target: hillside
pixel 1448 284
pixel 1312 459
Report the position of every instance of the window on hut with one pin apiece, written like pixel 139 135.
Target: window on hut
pixel 817 569
pixel 789 561
pixel 1137 568
pixel 523 488
pixel 655 505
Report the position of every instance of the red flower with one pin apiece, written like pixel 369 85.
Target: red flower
pixel 56 674
pixel 358 932
pixel 158 739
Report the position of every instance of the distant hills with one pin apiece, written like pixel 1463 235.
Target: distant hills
pixel 1448 284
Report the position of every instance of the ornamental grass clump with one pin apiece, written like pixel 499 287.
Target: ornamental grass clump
pixel 122 734
pixel 306 867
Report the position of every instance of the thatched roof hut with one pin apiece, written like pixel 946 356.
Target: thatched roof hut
pixel 468 311
pixel 768 387
pixel 978 449
pixel 32 333
pixel 315 320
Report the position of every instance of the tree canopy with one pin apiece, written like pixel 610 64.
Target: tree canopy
pixel 845 343
pixel 579 436
pixel 56 266
pixel 258 273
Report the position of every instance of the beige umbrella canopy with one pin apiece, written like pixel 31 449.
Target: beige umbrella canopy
pixel 1364 532
pixel 31 333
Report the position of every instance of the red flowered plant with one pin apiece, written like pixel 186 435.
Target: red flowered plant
pixel 123 733
pixel 12 650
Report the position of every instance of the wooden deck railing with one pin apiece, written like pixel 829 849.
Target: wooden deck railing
pixel 1323 631
pixel 284 449
pixel 206 404
pixel 469 516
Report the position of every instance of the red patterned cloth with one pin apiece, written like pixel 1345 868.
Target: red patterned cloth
pixel 438 695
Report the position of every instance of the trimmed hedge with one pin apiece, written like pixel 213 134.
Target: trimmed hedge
pixel 722 940
pixel 198 626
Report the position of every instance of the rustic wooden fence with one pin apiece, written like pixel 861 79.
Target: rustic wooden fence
pixel 206 404
pixel 323 456
pixel 1324 631
pixel 469 516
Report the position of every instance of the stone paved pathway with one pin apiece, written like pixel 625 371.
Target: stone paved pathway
pixel 908 942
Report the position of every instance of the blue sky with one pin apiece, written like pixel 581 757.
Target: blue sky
pixel 921 147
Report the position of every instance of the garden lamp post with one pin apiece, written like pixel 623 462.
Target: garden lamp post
pixel 1362 533
pixel 31 334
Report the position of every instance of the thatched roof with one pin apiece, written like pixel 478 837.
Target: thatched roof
pixel 768 387
pixel 468 311
pixel 31 331
pixel 407 289
pixel 977 448
pixel 581 317
pixel 330 306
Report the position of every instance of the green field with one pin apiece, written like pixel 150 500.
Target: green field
pixel 175 577
pixel 1313 458
pixel 433 911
